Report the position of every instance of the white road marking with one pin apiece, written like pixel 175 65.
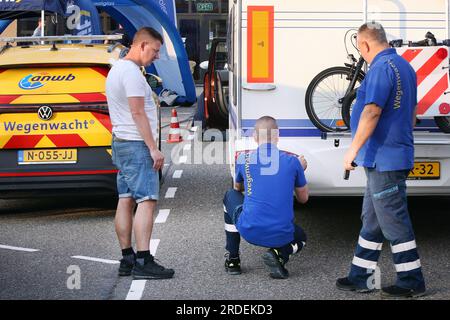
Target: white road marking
pixel 183 159
pixel 194 129
pixel 166 164
pixel 190 137
pixel 136 290
pixel 17 248
pixel 154 246
pixel 162 215
pixel 187 147
pixel 137 286
pixel 177 174
pixel 96 259
pixel 171 192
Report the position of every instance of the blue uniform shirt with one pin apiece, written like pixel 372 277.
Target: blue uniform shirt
pixel 267 217
pixel 390 84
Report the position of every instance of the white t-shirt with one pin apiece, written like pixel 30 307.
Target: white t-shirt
pixel 125 80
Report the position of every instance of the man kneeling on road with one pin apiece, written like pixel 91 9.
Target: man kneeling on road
pixel 264 215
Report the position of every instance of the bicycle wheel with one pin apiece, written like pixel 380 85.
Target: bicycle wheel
pixel 443 123
pixel 325 96
pixel 347 106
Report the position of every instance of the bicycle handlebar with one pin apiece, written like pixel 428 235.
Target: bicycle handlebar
pixel 429 41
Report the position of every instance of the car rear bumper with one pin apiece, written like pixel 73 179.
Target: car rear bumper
pixel 13 187
pixel 93 172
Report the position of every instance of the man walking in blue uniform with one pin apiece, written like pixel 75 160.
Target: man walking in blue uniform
pixel 264 215
pixel 382 123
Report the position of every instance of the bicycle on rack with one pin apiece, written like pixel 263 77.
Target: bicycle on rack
pixel 331 94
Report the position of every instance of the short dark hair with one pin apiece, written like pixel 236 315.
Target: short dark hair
pixel 149 32
pixel 266 127
pixel 374 31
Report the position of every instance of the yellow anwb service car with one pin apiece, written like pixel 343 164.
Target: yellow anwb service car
pixel 55 131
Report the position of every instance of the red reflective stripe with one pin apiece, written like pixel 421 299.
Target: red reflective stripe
pixel 429 67
pixel 64 173
pixel 26 141
pixel 7 99
pixel 433 95
pixel 409 55
pixel 102 70
pixel 89 97
pixel 104 120
pixel 67 140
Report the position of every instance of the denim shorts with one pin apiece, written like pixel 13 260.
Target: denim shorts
pixel 136 177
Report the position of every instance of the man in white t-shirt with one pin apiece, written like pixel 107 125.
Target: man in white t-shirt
pixel 136 155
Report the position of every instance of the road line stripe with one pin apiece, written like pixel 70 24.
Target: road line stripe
pixel 137 286
pixel 177 174
pixel 136 290
pixel 187 147
pixel 96 259
pixel 18 248
pixel 154 246
pixel 171 192
pixel 162 215
pixel 183 159
pixel 194 129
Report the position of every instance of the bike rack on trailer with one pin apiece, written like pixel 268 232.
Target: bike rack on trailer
pixel 431 64
pixel 441 106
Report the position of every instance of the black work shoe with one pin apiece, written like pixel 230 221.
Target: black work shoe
pixel 272 258
pixel 233 266
pixel 399 292
pixel 125 267
pixel 346 285
pixel 151 270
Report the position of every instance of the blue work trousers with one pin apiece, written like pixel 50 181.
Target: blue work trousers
pixel 385 215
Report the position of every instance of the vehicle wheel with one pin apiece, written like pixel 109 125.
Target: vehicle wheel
pixel 443 123
pixel 216 120
pixel 324 98
pixel 159 131
pixel 158 116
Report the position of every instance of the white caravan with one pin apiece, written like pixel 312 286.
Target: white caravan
pixel 277 47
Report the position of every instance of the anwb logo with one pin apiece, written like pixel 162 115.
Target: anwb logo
pixel 35 81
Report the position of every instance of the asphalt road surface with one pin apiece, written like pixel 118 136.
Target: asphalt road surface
pixel 66 248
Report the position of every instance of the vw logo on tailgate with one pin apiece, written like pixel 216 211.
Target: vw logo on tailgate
pixel 45 113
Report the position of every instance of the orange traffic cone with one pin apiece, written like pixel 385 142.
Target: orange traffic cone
pixel 174 131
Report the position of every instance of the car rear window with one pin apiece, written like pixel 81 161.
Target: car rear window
pixel 41 85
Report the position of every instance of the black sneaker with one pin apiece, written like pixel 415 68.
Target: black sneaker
pixel 125 267
pixel 151 270
pixel 346 285
pixel 272 258
pixel 399 292
pixel 233 266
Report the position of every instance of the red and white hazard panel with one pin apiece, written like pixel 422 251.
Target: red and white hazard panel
pixel 432 67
